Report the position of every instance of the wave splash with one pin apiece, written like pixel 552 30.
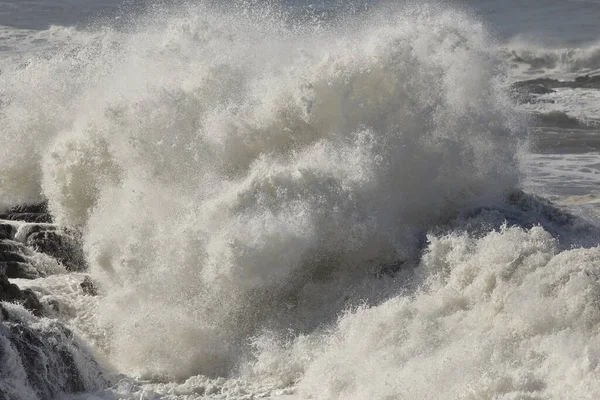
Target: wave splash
pixel 236 177
pixel 561 61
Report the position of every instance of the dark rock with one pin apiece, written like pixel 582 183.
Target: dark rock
pixel 19 270
pixel 63 245
pixel 540 89
pixel 11 293
pixel 88 286
pixel 581 82
pixel 7 231
pixel 46 367
pixel 524 92
pixel 5 315
pixel 529 93
pixel 54 305
pixel 588 80
pixel 32 346
pixel 14 262
pixel 40 208
pixel 7 245
pixel 28 213
pixel 29 229
pixel 27 217
pixel 11 256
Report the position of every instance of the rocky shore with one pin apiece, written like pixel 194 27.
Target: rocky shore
pixel 40 358
pixel 528 91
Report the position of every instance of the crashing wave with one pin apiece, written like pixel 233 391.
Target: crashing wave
pixel 316 207
pixel 564 60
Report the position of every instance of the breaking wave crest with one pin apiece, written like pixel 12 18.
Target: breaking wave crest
pixel 238 178
pixel 562 60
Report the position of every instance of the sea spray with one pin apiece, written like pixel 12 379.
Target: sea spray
pixel 235 175
pixel 502 316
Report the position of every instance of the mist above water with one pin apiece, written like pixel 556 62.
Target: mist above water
pixel 255 197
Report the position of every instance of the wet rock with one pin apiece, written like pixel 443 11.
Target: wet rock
pixel 36 213
pixel 539 89
pixel 7 231
pixel 14 262
pixel 89 286
pixel 18 246
pixel 27 217
pixel 43 361
pixel 60 244
pixel 39 358
pixel 580 82
pixel 19 270
pixel 9 255
pixel 529 93
pixel 29 229
pixel 11 293
pixel 588 81
pixel 32 347
pixel 39 208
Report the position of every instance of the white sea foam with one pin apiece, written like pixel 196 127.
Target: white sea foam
pixel 242 183
pixel 502 316
pixel 560 63
pixel 581 104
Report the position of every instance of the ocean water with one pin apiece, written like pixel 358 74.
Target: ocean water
pixel 314 201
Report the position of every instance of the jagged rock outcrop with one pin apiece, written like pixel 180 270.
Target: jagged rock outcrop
pixel 529 91
pixel 14 260
pixel 40 359
pixel 11 293
pixel 61 244
pixel 7 231
pixel 24 231
pixel 37 213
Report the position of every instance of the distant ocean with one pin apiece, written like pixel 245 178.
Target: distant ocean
pixel 330 200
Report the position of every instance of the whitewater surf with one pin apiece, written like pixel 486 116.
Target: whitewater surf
pixel 275 206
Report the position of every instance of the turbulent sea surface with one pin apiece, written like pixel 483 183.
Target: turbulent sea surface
pixel 292 201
